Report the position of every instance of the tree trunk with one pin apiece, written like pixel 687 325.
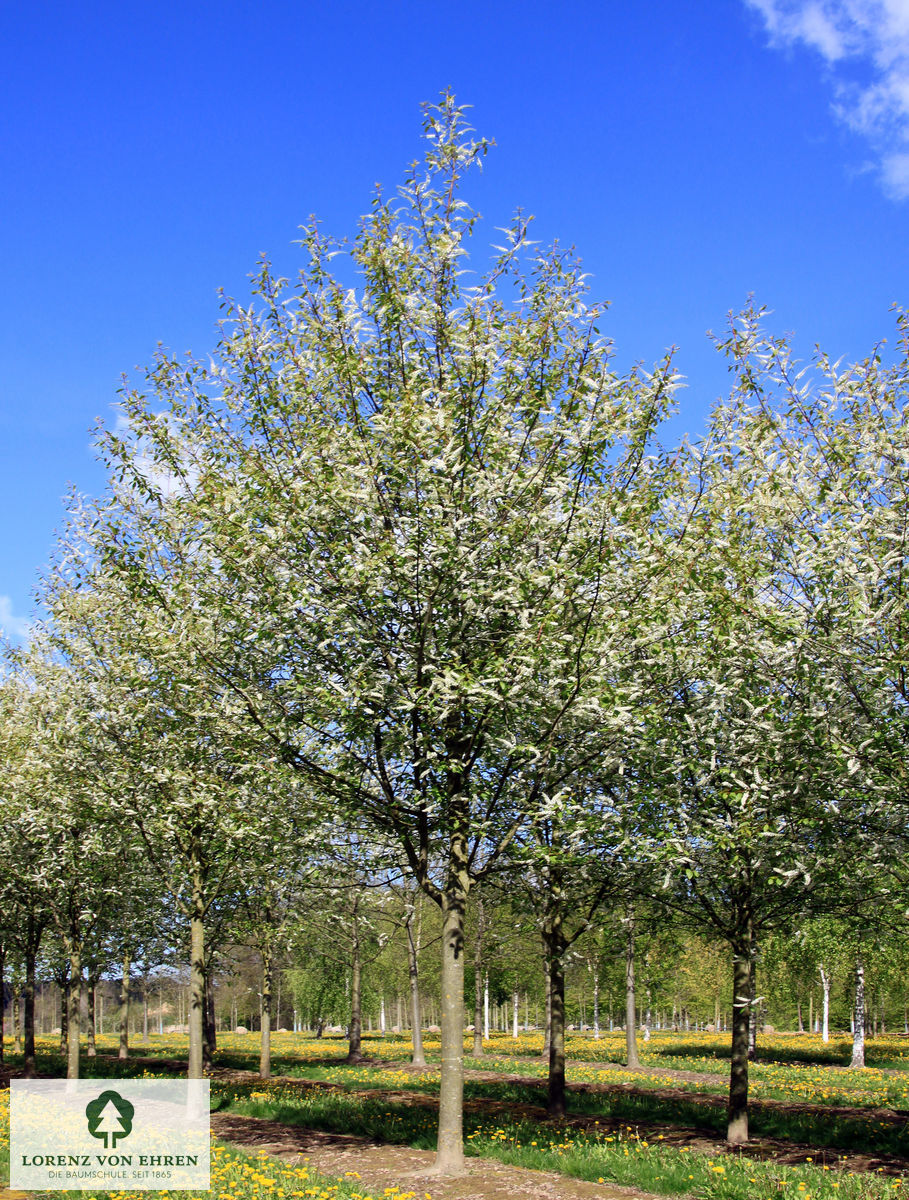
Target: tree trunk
pixel 631 1041
pixel 17 1017
pixel 450 1146
pixel 91 1049
pixel 418 1058
pixel 2 999
pixel 209 1037
pixel 514 1012
pixel 486 1006
pixel 355 1046
pixel 556 1104
pixel 478 985
pixel 825 1010
pixel 737 1129
pixel 196 965
pixel 74 1006
pixel 145 1006
pixel 123 1051
pixel 28 1030
pixel 596 1005
pixel 798 1009
pixel 265 1035
pixel 858 1035
pixel 64 1016
pixel 547 1021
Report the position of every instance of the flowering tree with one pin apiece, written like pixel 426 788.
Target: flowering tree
pixel 421 522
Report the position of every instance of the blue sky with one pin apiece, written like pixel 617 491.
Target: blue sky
pixel 692 153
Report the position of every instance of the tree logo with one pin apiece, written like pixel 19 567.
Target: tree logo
pixel 110 1117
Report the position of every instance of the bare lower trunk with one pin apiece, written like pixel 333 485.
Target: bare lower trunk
pixel 450 1147
pixel 737 1129
pixel 514 1013
pixel 355 1043
pixel 28 1029
pixel 91 1049
pixel 825 1018
pixel 547 1019
pixel 265 1033
pixel 17 1017
pixel 75 1001
pixel 123 1051
pixel 596 1004
pixel 858 1034
pixel 478 985
pixel 631 1040
pixel 556 1104
pixel 413 967
pixel 196 971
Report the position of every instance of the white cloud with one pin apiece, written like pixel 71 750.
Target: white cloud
pixel 10 625
pixel 872 35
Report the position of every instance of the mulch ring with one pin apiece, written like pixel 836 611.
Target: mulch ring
pixel 380 1166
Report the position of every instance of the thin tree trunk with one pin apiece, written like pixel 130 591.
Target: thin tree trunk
pixel 631 1041
pixel 75 1000
pixel 196 963
pixel 355 1045
pixel 858 1035
pixel 450 1146
pixel 123 1052
pixel 478 985
pixel 91 1049
pixel 825 1009
pixel 17 1017
pixel 798 1009
pixel 28 1015
pixel 515 1000
pixel 596 1004
pixel 556 1104
pixel 547 1020
pixel 265 1037
pixel 737 1129
pixel 413 967
pixel 486 1006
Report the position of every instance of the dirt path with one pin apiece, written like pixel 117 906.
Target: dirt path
pixel 380 1166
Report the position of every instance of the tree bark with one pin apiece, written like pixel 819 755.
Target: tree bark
pixel 17 1016
pixel 265 1035
pixel 825 1017
pixel 596 1004
pixel 737 1128
pixel 418 1058
pixel 91 1049
pixel 75 999
pixel 556 1103
pixel 631 1040
pixel 450 1146
pixel 858 1034
pixel 196 965
pixel 28 1031
pixel 478 985
pixel 355 1045
pixel 123 1051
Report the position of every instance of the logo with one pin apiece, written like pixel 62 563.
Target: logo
pixel 110 1117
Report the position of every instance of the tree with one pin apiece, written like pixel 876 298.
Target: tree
pixel 418 516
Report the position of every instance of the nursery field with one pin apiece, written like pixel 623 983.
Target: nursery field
pixel 321 1127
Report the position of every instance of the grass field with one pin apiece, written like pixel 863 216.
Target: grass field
pixel 621 1134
